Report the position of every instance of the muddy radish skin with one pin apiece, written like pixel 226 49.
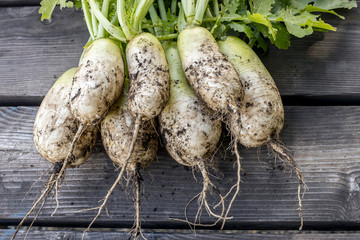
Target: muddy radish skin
pixel 97 82
pixel 129 153
pixel 117 133
pixel 149 76
pixel 54 130
pixel 211 76
pixel 262 114
pixel 55 126
pixel 187 128
pixel 186 125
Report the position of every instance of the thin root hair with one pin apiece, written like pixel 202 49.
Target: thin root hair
pixel 236 185
pixel 31 187
pixel 203 202
pixel 281 152
pixel 47 188
pixel 121 174
pixel 136 229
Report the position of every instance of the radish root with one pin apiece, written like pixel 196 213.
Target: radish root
pixel 202 201
pixel 236 185
pixel 118 179
pixel 281 153
pixel 136 229
pixel 42 198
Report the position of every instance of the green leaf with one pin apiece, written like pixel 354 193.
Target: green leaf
pixel 241 27
pixel 262 6
pixel 311 8
pixel 334 4
pixel 65 3
pixel 295 22
pixel 46 9
pixel 220 32
pixel 77 4
pixel 48 6
pixel 282 40
pixel 300 4
pixel 232 6
pixel 324 4
pixel 259 18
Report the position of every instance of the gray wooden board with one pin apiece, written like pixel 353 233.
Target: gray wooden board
pixel 205 235
pixel 33 55
pixel 325 142
pixel 6 3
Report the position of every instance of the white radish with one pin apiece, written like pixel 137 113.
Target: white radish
pixel 149 76
pixel 54 128
pixel 97 82
pixel 130 153
pixel 189 132
pixel 261 118
pixel 213 78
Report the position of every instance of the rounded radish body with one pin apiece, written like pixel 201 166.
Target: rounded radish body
pixel 117 134
pixel 149 76
pixel 262 114
pixel 97 82
pixel 211 76
pixel 190 134
pixel 55 126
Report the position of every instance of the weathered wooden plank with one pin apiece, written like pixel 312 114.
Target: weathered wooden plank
pixel 325 142
pixel 33 55
pixel 200 235
pixel 321 64
pixel 7 3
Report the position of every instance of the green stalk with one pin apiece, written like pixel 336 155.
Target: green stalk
pixel 228 19
pixel 85 8
pixel 216 7
pixel 167 37
pixel 104 11
pixel 179 85
pixel 140 13
pixel 115 20
pixel 162 10
pixel 189 10
pixel 208 13
pixel 116 32
pixel 181 19
pixel 121 12
pixel 94 24
pixel 201 6
pixel 173 7
pixel 155 18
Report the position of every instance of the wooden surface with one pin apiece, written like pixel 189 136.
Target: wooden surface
pixel 201 235
pixel 323 65
pixel 318 78
pixel 329 158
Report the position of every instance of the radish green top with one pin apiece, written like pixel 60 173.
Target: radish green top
pixel 255 20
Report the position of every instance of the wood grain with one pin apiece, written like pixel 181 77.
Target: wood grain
pixel 33 55
pixel 12 3
pixel 200 235
pixel 325 142
pixel 320 64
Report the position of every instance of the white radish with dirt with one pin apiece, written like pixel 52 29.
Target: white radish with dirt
pixel 189 132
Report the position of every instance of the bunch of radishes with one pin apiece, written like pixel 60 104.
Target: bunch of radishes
pixel 128 82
